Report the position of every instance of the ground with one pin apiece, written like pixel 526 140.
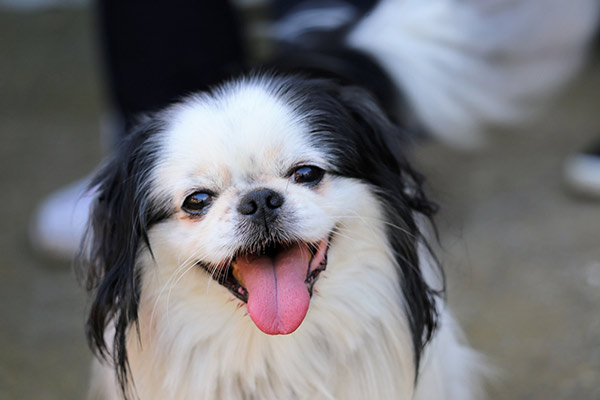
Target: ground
pixel 521 253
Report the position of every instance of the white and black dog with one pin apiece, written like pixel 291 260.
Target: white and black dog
pixel 263 242
pixel 266 240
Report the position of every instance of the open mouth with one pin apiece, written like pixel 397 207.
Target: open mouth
pixel 275 282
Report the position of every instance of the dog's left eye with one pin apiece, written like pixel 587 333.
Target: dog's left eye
pixel 307 175
pixel 197 202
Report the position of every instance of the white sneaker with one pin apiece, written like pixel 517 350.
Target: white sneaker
pixel 582 173
pixel 59 223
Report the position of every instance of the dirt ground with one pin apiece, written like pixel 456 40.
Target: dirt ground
pixel 522 254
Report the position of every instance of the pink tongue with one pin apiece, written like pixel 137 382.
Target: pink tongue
pixel 278 298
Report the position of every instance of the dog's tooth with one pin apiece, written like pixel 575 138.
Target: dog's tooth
pixel 236 273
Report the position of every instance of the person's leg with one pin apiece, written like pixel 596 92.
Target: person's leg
pixel 157 51
pixel 154 52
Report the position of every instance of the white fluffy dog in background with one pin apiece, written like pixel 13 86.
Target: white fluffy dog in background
pixel 464 65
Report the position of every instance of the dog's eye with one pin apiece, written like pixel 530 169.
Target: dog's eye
pixel 197 202
pixel 307 175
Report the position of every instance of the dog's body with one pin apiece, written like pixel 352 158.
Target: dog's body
pixel 365 333
pixel 231 359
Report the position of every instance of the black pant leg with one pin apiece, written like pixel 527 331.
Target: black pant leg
pixel 159 50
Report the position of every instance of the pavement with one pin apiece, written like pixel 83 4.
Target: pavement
pixel 522 254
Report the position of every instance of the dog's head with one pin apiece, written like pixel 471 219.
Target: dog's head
pixel 253 185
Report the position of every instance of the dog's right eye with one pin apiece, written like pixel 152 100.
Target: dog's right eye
pixel 197 203
pixel 308 175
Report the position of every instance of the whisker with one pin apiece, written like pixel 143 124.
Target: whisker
pixel 365 219
pixel 182 266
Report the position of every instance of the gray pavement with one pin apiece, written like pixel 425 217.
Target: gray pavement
pixel 522 255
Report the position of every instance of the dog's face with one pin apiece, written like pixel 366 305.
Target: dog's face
pixel 255 199
pixel 253 185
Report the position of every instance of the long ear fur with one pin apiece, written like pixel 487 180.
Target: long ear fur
pixel 370 147
pixel 382 145
pixel 119 221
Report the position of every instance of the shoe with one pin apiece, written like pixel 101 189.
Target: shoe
pixel 582 172
pixel 60 222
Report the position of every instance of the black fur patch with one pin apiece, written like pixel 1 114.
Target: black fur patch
pixel 121 216
pixel 364 144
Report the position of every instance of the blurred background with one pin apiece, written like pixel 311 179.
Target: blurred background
pixel 522 253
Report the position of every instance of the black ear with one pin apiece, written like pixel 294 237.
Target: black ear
pixel 120 218
pixel 371 148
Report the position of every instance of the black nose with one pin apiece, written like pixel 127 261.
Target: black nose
pixel 261 205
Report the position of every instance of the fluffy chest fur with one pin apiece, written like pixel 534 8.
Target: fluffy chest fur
pixel 353 344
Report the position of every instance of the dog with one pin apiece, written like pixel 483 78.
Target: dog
pixel 266 240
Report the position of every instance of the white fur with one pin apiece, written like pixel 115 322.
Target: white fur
pixel 197 341
pixel 466 64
